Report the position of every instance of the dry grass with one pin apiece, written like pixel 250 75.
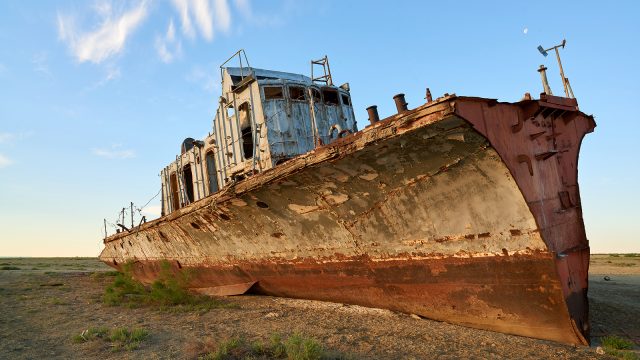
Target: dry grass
pixel 293 347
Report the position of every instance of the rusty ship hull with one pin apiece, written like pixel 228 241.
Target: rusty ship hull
pixel 464 210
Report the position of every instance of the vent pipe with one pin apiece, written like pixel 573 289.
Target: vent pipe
pixel 401 104
pixel 373 114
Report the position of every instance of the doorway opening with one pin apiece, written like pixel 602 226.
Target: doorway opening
pixel 188 181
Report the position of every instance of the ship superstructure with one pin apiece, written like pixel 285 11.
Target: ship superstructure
pixel 264 118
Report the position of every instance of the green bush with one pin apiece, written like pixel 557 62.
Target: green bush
pixel 91 334
pixel 169 292
pixel 616 342
pixel 301 348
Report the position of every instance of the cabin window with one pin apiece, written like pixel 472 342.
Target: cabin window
pixel 175 197
pixel 345 100
pixel 211 171
pixel 273 92
pixel 187 176
pixel 297 93
pixel 246 132
pixel 315 93
pixel 330 96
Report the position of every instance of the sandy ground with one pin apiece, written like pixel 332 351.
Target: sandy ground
pixel 46 302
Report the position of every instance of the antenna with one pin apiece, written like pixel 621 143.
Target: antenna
pixel 565 81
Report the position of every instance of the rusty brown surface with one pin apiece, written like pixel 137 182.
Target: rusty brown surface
pixel 431 211
pixel 486 293
pixel 549 132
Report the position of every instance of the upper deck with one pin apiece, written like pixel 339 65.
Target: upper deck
pixel 264 118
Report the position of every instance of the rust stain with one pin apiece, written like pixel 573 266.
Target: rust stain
pixel 434 211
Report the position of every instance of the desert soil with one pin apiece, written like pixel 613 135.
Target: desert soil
pixel 46 302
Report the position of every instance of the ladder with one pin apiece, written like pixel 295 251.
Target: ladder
pixel 326 78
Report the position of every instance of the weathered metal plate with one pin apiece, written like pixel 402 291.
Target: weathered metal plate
pixel 226 290
pixel 428 212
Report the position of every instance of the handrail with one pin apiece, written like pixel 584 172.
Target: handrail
pixel 239 54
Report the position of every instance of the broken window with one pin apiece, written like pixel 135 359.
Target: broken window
pixel 330 96
pixel 247 134
pixel 211 171
pixel 345 100
pixel 173 186
pixel 315 93
pixel 297 93
pixel 273 92
pixel 188 181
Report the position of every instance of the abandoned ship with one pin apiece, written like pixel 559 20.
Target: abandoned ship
pixel 463 209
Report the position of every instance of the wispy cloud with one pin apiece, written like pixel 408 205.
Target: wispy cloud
pixel 108 39
pixel 244 7
pixel 9 137
pixel 202 14
pixel 167 46
pixel 5 161
pixel 112 73
pixel 41 63
pixel 3 69
pixel 114 152
pixel 276 18
pixel 6 137
pixel 204 19
pixel 152 211
pixel 208 78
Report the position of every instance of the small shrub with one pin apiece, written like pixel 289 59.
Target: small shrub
pixel 277 347
pixel 91 334
pixel 169 292
pixel 301 348
pixel 295 347
pixel 10 268
pixel 123 338
pixel 616 342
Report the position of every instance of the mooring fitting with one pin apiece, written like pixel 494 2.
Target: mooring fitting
pixel 401 104
pixel 545 83
pixel 373 114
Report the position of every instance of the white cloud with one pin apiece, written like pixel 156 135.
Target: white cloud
pixel 5 161
pixel 108 39
pixel 223 15
pixel 204 18
pixel 183 8
pixel 115 152
pixel 244 7
pixel 112 73
pixel 525 31
pixel 202 13
pixel 168 47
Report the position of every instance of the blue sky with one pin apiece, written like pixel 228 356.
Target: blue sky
pixel 96 97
